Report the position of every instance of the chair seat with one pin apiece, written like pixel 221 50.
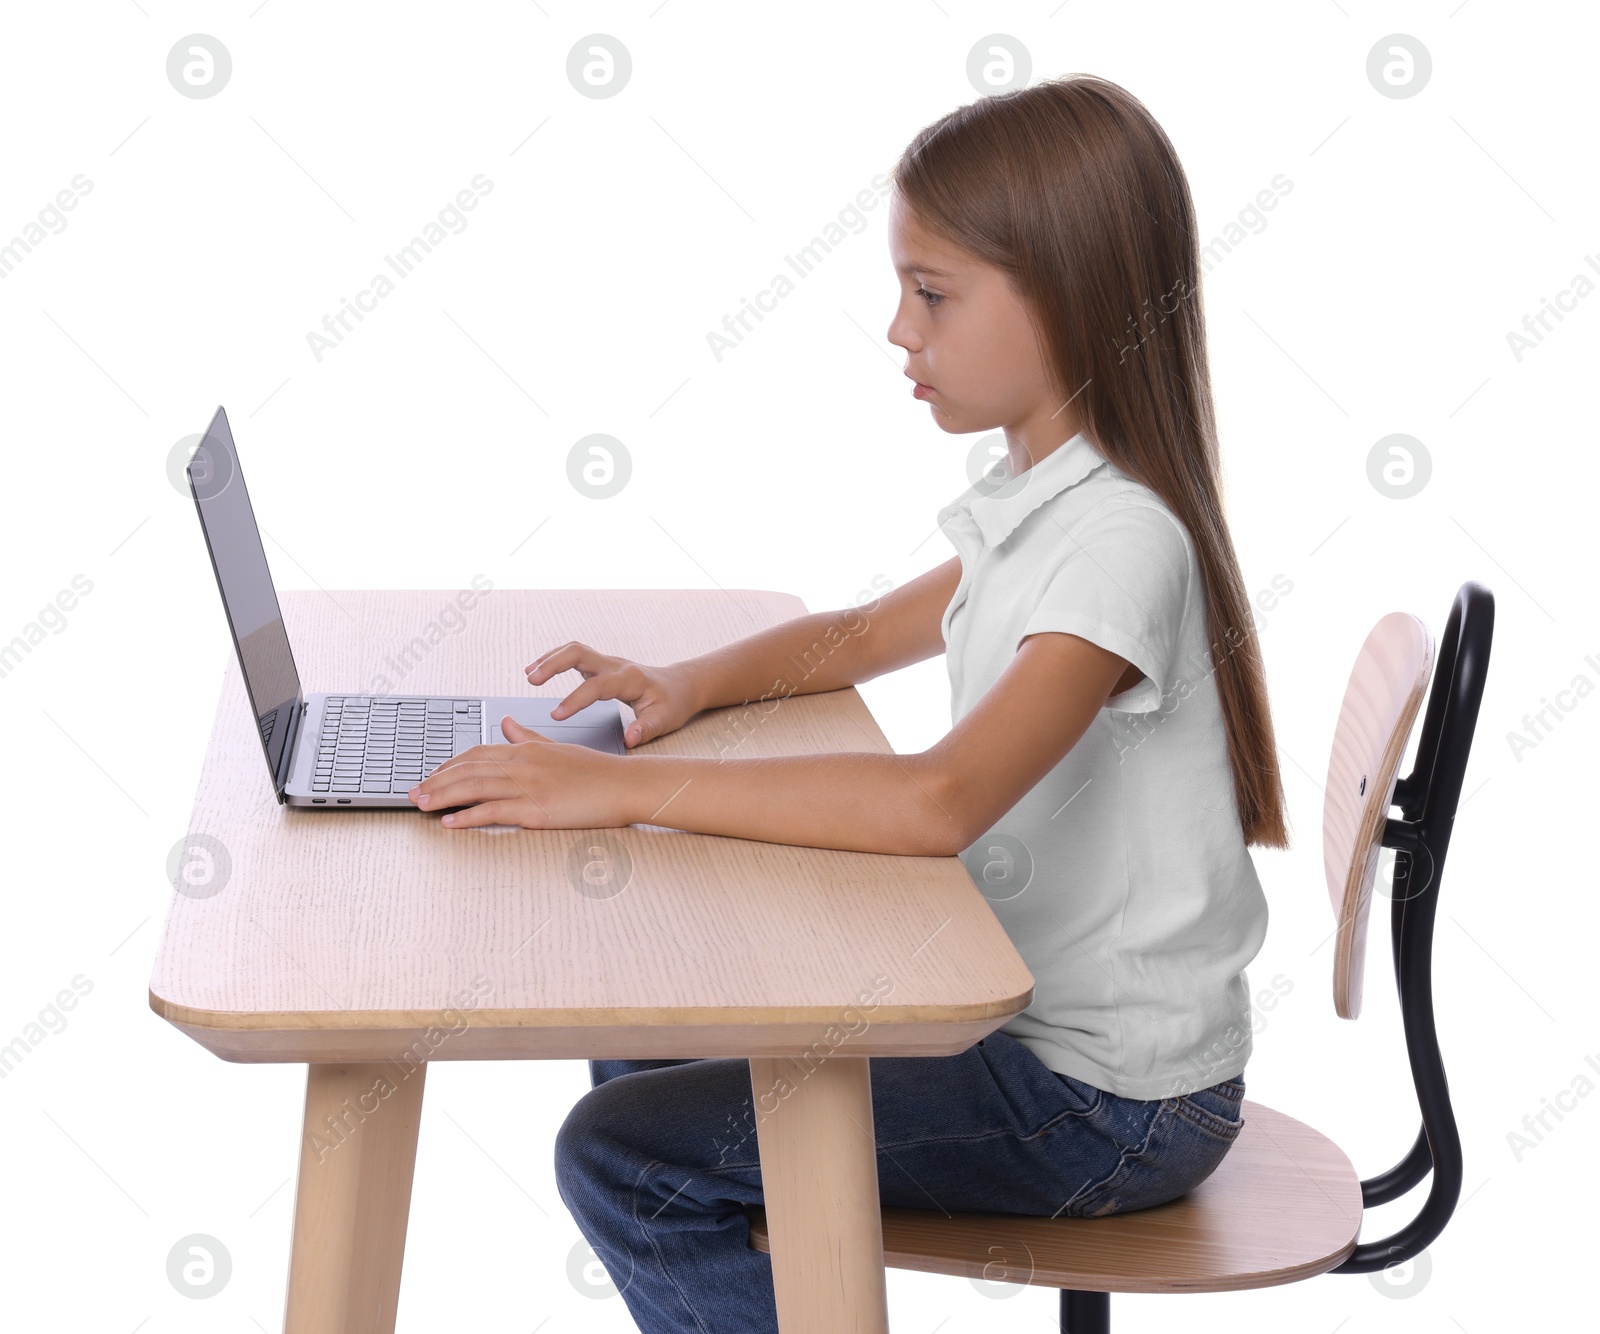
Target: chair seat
pixel 1284 1205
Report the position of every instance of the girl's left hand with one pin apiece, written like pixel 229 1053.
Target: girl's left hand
pixel 531 781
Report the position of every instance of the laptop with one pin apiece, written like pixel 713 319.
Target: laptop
pixel 350 749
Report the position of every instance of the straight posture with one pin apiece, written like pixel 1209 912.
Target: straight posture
pixel 1111 755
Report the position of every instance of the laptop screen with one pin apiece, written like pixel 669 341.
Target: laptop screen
pixel 248 596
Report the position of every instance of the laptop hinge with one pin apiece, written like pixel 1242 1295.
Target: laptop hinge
pixel 286 759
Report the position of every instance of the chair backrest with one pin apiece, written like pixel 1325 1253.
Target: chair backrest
pixel 1380 706
pixel 1381 702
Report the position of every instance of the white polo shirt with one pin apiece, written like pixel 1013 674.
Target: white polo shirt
pixel 1122 877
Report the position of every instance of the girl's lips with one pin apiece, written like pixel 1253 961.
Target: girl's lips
pixel 921 390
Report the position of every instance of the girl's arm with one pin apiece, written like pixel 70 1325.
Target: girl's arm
pixel 934 803
pixel 824 651
pixel 829 650
pixel 931 804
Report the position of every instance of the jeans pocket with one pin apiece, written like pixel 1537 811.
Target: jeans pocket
pixel 1189 1137
pixel 1085 1098
pixel 1218 1111
pixel 1036 1096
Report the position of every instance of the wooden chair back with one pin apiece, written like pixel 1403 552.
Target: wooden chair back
pixel 1380 706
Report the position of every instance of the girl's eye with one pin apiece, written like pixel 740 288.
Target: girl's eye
pixel 932 298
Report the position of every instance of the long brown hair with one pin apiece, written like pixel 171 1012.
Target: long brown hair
pixel 1074 191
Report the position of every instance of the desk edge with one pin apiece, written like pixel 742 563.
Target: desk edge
pixel 243 1021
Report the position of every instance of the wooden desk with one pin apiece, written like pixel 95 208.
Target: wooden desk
pixel 367 943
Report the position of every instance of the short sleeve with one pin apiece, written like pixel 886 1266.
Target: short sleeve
pixel 1121 580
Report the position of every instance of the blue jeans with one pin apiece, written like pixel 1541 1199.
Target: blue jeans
pixel 659 1159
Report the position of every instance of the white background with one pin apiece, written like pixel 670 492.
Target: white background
pixel 219 232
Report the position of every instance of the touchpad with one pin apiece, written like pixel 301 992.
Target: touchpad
pixel 596 738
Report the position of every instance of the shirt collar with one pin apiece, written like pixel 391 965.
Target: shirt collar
pixel 998 510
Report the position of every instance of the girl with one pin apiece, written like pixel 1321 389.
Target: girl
pixel 1111 759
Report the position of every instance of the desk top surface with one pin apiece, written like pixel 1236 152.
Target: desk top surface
pixel 382 921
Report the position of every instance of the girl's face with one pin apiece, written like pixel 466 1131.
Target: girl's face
pixel 969 337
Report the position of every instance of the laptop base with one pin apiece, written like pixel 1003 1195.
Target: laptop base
pixel 598 726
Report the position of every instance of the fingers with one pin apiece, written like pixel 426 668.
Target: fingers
pixel 626 682
pixel 449 785
pixel 575 656
pixel 569 657
pixel 556 660
pixel 517 732
pixel 485 812
pixel 596 688
pixel 463 781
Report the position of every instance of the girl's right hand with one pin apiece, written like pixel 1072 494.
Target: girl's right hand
pixel 662 698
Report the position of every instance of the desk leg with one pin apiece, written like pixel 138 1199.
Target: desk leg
pixel 819 1179
pixel 357 1153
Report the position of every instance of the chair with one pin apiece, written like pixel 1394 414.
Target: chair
pixel 1285 1204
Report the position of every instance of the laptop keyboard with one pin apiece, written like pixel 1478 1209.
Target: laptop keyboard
pixel 384 744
